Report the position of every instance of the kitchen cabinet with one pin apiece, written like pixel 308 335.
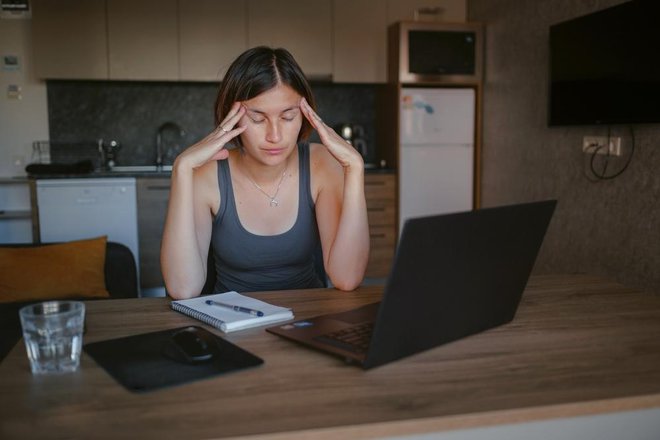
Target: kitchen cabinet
pixel 211 35
pixel 360 33
pixel 195 40
pixel 69 39
pixel 152 198
pixel 143 39
pixel 359 39
pixel 303 27
pixel 15 211
pixel 380 193
pixel 405 10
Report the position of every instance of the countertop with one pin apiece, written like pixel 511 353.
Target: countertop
pixel 140 174
pixel 14 179
pixel 104 174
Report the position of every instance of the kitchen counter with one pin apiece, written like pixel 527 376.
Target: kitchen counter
pixel 101 175
pixel 14 179
pixel 120 171
pixel 148 172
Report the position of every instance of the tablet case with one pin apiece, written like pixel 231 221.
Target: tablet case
pixel 139 364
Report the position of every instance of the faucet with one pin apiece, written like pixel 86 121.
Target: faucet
pixel 159 140
pixel 107 154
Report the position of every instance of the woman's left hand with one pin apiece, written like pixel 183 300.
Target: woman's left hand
pixel 344 152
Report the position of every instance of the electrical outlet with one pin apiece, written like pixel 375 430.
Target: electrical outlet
pixel 18 160
pixel 599 145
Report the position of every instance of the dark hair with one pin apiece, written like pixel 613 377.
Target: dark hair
pixel 258 70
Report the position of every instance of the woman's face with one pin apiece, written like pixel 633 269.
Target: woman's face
pixel 273 120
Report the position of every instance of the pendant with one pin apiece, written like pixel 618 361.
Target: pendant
pixel 274 203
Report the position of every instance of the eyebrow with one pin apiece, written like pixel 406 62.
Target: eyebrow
pixel 283 111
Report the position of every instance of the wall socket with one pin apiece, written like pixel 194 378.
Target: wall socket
pixel 599 144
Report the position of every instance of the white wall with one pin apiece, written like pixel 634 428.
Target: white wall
pixel 24 120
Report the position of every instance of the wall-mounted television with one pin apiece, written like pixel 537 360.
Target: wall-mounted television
pixel 605 66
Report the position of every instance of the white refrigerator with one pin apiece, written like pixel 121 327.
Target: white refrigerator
pixel 436 157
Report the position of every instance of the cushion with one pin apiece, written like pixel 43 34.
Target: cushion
pixel 54 271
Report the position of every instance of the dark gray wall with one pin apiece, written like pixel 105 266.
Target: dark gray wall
pixel 609 228
pixel 80 112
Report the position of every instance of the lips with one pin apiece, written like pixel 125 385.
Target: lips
pixel 273 151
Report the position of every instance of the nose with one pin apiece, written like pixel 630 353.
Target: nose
pixel 273 134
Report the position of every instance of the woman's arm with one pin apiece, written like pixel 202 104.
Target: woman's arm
pixel 341 209
pixel 187 232
pixel 186 235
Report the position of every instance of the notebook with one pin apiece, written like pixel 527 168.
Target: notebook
pixel 226 319
pixel 453 275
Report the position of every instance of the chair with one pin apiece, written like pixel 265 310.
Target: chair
pixel 120 271
pixel 120 279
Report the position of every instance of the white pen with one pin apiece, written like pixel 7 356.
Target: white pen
pixel 235 308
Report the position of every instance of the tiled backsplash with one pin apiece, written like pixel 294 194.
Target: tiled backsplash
pixel 81 112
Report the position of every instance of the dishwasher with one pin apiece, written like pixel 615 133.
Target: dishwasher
pixel 74 209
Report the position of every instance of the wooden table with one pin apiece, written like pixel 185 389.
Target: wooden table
pixel 579 345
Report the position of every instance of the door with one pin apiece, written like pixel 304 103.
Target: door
pixel 432 116
pixel 73 209
pixel 143 39
pixel 69 39
pixel 303 27
pixel 436 157
pixel 211 35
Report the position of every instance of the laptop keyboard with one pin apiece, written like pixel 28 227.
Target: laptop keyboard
pixel 354 339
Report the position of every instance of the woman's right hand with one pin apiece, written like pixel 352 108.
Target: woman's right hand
pixel 212 147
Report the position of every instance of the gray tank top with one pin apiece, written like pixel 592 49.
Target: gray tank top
pixel 247 262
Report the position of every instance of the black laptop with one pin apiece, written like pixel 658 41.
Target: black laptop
pixel 453 276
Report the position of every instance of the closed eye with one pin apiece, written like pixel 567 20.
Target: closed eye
pixel 290 115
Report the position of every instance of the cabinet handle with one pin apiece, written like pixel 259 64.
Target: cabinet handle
pixel 381 235
pixel 158 187
pixel 374 182
pixel 428 10
pixel 376 209
pixel 86 200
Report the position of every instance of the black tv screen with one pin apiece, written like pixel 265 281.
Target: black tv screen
pixel 605 66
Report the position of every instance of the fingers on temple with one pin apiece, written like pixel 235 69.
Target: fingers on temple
pixel 235 113
pixel 311 115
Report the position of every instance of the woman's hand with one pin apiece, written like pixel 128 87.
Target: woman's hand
pixel 344 152
pixel 212 147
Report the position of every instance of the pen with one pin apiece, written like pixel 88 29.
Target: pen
pixel 235 308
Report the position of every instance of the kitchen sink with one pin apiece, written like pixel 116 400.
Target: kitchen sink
pixel 134 171
pixel 140 169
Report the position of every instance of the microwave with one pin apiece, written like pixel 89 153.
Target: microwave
pixel 435 53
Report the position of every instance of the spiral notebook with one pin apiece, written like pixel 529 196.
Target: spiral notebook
pixel 226 319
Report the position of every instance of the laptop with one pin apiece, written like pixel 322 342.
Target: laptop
pixel 453 275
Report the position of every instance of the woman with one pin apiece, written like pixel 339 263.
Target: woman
pixel 265 205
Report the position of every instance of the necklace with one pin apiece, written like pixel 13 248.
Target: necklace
pixel 273 199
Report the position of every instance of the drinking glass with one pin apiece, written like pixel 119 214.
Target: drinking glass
pixel 53 332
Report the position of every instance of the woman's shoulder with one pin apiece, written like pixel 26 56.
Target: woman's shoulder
pixel 326 172
pixel 206 172
pixel 321 160
pixel 206 177
pixel 205 180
